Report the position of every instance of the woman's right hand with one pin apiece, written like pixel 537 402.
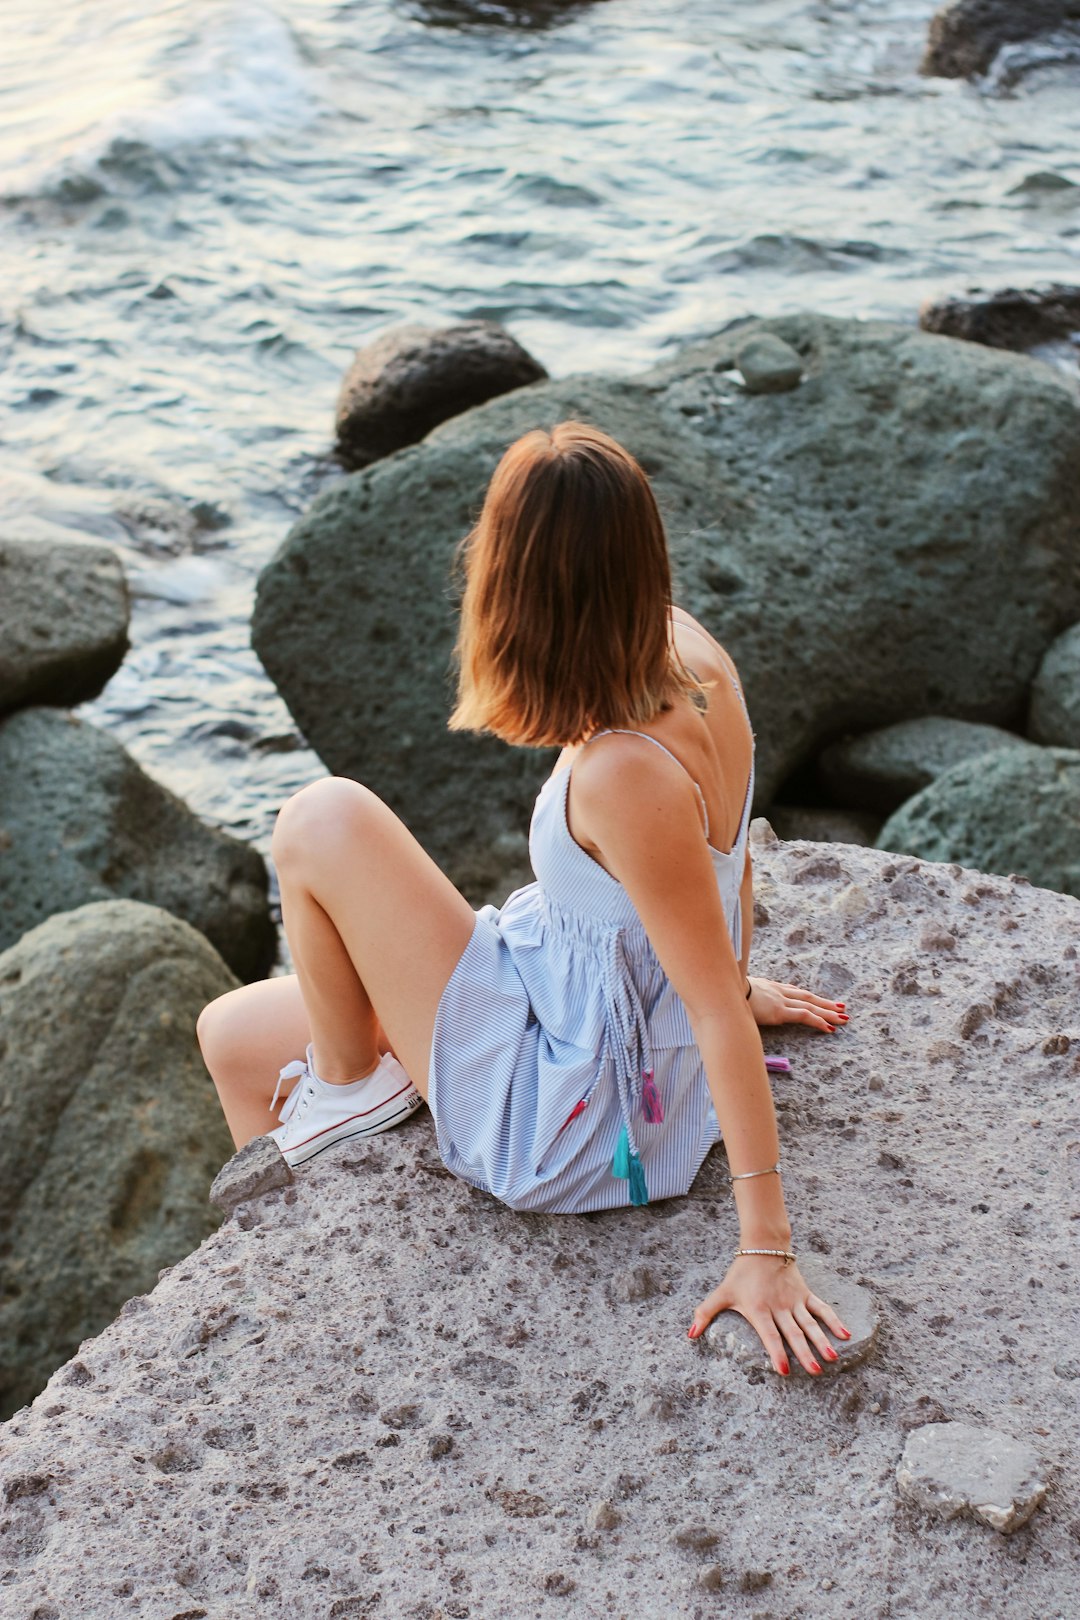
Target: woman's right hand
pixel 774 1298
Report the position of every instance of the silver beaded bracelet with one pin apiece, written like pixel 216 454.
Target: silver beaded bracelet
pixel 786 1255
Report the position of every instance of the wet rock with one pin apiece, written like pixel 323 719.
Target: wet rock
pixel 953 1468
pixel 1015 318
pixel 256 1169
pixel 81 822
pixel 1054 715
pixel 64 612
pixel 966 35
pixel 880 769
pixel 112 1129
pixel 1016 810
pixel 731 1335
pixel 924 604
pixel 768 364
pixel 412 378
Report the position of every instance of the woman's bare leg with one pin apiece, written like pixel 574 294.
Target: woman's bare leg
pixel 372 923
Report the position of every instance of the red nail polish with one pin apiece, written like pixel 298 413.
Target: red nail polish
pixel 815 1366
pixel 843 1018
pixel 694 1331
pixel 784 1368
pixel 845 1333
pixel 840 1004
pixel 831 1354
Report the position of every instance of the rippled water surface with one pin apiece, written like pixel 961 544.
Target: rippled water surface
pixel 207 205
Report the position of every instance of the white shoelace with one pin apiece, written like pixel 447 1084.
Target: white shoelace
pixel 299 1066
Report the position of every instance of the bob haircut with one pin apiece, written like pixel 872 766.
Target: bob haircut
pixel 566 618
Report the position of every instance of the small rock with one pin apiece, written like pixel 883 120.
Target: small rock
pixel 64 614
pixel 413 377
pixel 768 364
pixel 256 1169
pixel 440 1445
pixel 603 1516
pixel 558 1584
pixel 636 1284
pixel 711 1578
pixel 696 1537
pixel 731 1334
pixel 755 1580
pixel 953 1468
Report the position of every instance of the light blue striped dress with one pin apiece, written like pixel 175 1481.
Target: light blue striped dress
pixel 550 1025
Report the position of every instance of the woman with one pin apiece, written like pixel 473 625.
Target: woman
pixel 584 1046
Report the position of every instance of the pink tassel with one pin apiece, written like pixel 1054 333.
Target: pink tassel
pixel 651 1106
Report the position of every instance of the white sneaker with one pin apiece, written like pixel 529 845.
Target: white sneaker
pixel 316 1114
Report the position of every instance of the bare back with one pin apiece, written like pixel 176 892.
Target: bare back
pixel 715 745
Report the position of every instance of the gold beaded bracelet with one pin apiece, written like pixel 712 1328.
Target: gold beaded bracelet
pixel 786 1255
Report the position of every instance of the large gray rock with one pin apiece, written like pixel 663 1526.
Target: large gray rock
pixel 954 1468
pixel 81 821
pixel 880 769
pixel 411 378
pixel 869 546
pixel 966 35
pixel 110 1130
pixel 64 613
pixel 1054 714
pixel 1013 811
pixel 374 1391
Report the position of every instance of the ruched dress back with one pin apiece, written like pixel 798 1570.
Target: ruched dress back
pixel 561 1053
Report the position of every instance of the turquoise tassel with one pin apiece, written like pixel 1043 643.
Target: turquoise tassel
pixel 639 1192
pixel 620 1164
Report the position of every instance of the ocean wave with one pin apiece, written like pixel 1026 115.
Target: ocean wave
pixel 237 76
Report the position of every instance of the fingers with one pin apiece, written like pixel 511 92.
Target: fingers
pixel 828 1316
pixel 802 1006
pixel 796 1338
pixel 814 1333
pixel 719 1300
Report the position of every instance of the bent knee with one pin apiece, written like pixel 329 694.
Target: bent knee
pixel 223 1029
pixel 309 823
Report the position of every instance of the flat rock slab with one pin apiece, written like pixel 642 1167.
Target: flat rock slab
pixel 64 613
pixel 953 1468
pixel 375 1391
pixel 731 1334
pixel 258 1168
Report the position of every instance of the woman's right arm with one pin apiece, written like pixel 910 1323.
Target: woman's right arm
pixel 642 816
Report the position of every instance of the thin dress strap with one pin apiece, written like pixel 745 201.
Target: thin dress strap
pixel 623 732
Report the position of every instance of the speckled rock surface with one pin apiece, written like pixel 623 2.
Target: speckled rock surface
pixel 879 769
pixel 110 1130
pixel 1054 716
pixel 952 1468
pixel 377 1392
pixel 81 821
pixel 882 485
pixel 64 613
pixel 1012 810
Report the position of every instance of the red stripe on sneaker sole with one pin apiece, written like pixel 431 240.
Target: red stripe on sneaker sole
pixel 362 1115
pixel 295 1157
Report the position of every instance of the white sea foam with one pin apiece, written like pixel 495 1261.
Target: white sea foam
pixel 208 74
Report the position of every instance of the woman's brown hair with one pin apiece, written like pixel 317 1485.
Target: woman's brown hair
pixel 565 621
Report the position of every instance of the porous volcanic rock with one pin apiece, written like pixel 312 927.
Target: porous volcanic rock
pixel 880 769
pixel 1016 810
pixel 869 546
pixel 1013 318
pixel 966 35
pixel 411 378
pixel 81 821
pixel 953 1468
pixel 64 612
pixel 376 1391
pixel 112 1130
pixel 1054 715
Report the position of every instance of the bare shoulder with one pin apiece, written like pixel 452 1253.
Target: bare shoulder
pixel 622 787
pixel 695 642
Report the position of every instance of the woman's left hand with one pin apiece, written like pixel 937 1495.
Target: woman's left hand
pixel 773 1003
